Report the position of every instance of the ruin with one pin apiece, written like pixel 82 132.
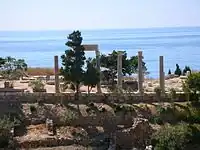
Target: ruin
pixel 94 47
pixel 119 70
pixel 162 75
pixel 56 71
pixel 140 73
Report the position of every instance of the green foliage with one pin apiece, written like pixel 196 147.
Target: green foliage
pixel 109 62
pixel 158 92
pixel 189 114
pixel 169 72
pixel 193 82
pixel 33 108
pixel 92 76
pixel 5 126
pixel 2 62
pixel 178 70
pixel 11 68
pixel 68 116
pixel 187 68
pixel 124 108
pixel 73 60
pixel 163 114
pixel 173 95
pixel 37 85
pixel 172 137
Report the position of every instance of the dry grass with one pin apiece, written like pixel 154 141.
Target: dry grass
pixel 40 71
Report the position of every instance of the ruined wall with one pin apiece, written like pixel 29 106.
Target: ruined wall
pixel 54 98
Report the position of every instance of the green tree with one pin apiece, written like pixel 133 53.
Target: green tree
pixel 193 82
pixel 178 70
pixel 73 61
pixel 2 62
pixel 187 68
pixel 169 72
pixel 92 75
pixel 12 68
pixel 109 62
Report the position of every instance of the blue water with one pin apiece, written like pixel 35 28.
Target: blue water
pixel 177 45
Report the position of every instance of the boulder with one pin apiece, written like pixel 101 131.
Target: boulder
pixel 136 136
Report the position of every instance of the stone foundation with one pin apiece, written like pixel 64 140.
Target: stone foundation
pixel 53 98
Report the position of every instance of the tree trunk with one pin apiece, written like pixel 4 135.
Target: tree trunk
pixel 77 98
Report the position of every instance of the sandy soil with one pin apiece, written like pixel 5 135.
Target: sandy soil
pixel 149 85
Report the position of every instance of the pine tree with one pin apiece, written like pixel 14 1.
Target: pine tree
pixel 169 72
pixel 178 70
pixel 73 61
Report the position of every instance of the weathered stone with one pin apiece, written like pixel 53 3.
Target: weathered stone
pixel 162 74
pixel 50 127
pixel 140 73
pixel 132 85
pixel 188 73
pixel 136 136
pixel 56 71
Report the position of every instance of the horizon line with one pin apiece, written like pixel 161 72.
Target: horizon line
pixel 97 29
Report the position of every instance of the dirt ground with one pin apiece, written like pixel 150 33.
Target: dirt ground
pixel 149 85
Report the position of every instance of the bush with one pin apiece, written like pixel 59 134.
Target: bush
pixel 37 85
pixel 178 70
pixel 172 137
pixel 193 82
pixel 187 68
pixel 169 72
pixel 164 114
pixel 32 108
pixel 69 116
pixel 172 95
pixel 158 92
pixel 5 127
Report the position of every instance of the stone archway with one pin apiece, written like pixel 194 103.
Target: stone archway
pixel 95 47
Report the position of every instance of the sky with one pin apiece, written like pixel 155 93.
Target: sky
pixel 97 14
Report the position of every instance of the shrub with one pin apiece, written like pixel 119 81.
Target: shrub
pixel 187 68
pixel 169 72
pixel 172 137
pixel 178 70
pixel 158 92
pixel 69 116
pixel 5 127
pixel 193 82
pixel 156 120
pixel 32 108
pixel 173 95
pixel 37 85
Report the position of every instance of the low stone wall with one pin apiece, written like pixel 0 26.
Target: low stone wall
pixel 54 98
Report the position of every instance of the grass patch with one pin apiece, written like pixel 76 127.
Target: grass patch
pixel 40 71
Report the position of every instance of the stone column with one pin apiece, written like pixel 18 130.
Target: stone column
pixel 162 74
pixel 99 69
pixel 140 73
pixel 56 71
pixel 188 73
pixel 119 70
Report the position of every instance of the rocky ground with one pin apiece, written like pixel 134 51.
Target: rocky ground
pixel 149 85
pixel 36 133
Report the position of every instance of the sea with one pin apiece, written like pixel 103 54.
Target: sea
pixel 180 45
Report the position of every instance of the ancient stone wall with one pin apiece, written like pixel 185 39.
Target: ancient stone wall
pixel 55 98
